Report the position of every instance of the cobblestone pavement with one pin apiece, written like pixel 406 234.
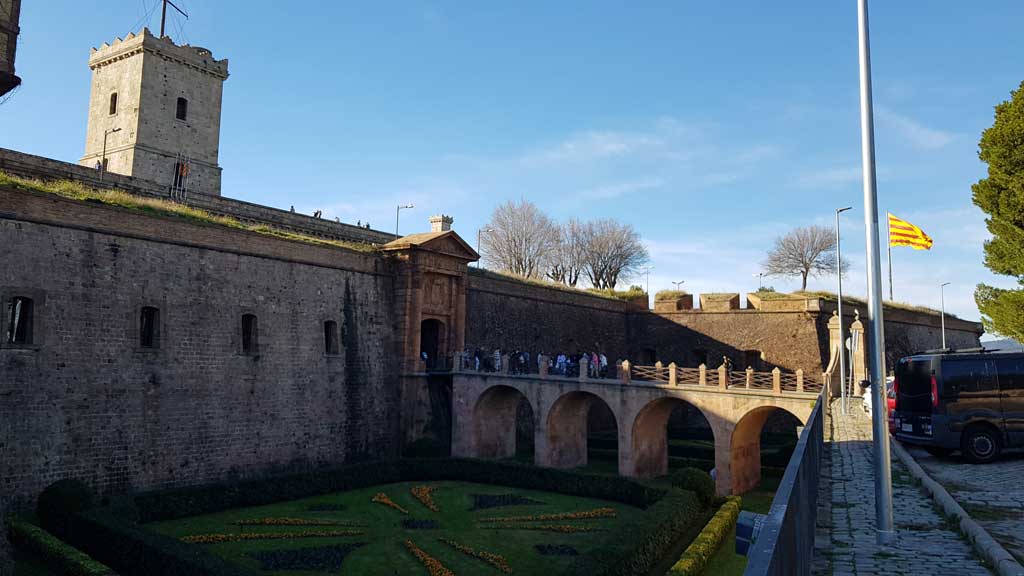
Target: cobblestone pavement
pixel 926 544
pixel 993 494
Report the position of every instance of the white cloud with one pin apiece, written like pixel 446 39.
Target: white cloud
pixel 829 177
pixel 593 145
pixel 919 135
pixel 610 191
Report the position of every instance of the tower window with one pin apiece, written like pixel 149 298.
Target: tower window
pixel 113 103
pixel 330 337
pixel 19 320
pixel 182 109
pixel 149 327
pixel 250 334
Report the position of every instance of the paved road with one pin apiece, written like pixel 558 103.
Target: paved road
pixel 993 494
pixel 927 544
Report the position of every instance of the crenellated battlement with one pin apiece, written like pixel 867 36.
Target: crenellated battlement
pixel 195 57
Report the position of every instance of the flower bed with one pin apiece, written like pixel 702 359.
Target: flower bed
pixel 584 515
pixel 218 538
pixel 382 498
pixel 294 522
pixel 484 501
pixel 433 565
pixel 560 528
pixel 423 494
pixel 496 560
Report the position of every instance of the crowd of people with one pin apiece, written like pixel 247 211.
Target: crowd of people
pixel 522 362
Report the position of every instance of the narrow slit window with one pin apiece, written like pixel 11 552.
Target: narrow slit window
pixel 250 334
pixel 330 337
pixel 149 327
pixel 19 320
pixel 113 103
pixel 182 109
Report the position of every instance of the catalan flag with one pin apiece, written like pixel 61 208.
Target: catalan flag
pixel 903 233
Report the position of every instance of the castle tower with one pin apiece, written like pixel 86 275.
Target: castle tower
pixel 157 107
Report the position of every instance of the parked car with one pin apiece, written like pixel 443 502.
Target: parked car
pixel 967 401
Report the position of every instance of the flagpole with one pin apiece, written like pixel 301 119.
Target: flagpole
pixel 888 244
pixel 884 532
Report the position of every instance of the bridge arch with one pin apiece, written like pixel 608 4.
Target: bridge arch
pixel 495 421
pixel 745 453
pixel 566 429
pixel 650 435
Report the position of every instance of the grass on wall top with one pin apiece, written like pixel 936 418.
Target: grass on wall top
pixel 497 275
pixel 73 190
pixel 670 294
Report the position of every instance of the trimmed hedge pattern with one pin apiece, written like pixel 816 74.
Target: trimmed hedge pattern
pixel 40 544
pixel 113 534
pixel 695 558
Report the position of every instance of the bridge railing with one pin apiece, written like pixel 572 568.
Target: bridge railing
pixel 722 377
pixel 785 545
pixel 749 379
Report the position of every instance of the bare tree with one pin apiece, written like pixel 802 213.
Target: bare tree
pixel 567 261
pixel 612 251
pixel 805 252
pixel 521 241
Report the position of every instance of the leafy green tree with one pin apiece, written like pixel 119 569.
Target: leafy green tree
pixel 1001 196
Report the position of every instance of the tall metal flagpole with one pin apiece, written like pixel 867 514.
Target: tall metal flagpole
pixel 888 246
pixel 884 532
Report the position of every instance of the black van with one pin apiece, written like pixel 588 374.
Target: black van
pixel 972 402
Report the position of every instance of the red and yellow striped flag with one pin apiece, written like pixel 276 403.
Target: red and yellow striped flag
pixel 903 233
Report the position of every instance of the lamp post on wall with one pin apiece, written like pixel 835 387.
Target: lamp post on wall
pixel 479 234
pixel 398 211
pixel 942 310
pixel 760 280
pixel 103 157
pixel 842 332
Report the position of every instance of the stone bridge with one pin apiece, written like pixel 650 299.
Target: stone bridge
pixel 736 406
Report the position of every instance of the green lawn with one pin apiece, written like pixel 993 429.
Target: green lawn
pixel 384 552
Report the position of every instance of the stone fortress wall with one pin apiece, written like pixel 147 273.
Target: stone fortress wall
pixel 30 166
pixel 9 16
pixel 86 400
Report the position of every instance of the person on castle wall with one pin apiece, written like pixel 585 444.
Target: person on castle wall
pixel 604 365
pixel 293 209
pixel 497 360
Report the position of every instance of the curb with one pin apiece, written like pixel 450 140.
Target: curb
pixel 986 546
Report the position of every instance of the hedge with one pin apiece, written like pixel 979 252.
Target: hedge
pixel 114 536
pixel 33 541
pixel 193 501
pixel 653 535
pixel 695 557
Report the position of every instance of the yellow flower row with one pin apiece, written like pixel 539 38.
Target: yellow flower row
pixel 292 522
pixel 433 565
pixel 495 560
pixel 561 528
pixel 583 515
pixel 217 538
pixel 423 494
pixel 382 498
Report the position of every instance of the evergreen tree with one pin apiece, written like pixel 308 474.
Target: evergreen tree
pixel 1001 196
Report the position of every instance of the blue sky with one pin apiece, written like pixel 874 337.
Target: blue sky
pixel 713 127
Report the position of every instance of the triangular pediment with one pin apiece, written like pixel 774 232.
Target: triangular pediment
pixel 447 242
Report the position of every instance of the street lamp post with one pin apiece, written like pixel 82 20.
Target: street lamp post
pixel 678 284
pixel 647 273
pixel 842 337
pixel 398 211
pixel 942 307
pixel 479 234
pixel 884 531
pixel 760 280
pixel 103 157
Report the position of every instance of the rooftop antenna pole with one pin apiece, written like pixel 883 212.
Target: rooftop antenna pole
pixel 163 15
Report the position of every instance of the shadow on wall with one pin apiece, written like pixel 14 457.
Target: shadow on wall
pixel 658 339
